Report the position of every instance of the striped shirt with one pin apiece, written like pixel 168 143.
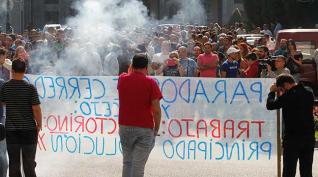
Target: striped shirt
pixel 18 97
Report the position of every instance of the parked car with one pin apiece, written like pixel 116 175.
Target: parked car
pixel 251 38
pixel 307 42
pixel 55 26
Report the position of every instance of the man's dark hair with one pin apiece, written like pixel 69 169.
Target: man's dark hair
pixel 2 51
pixel 251 56
pixel 140 61
pixel 18 66
pixel 284 78
pixel 266 50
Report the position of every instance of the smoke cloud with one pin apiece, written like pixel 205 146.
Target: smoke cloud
pixel 3 10
pixel 103 31
pixel 191 11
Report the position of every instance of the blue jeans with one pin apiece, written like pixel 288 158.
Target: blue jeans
pixel 137 144
pixel 3 159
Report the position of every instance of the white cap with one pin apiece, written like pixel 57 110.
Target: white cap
pixel 232 50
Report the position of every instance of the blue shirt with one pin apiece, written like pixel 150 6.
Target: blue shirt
pixel 280 51
pixel 231 68
pixel 189 66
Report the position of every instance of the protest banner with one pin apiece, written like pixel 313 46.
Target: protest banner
pixel 203 119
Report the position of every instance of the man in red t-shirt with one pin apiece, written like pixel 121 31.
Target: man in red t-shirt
pixel 139 116
pixel 208 62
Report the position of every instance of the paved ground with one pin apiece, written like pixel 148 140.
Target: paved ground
pixel 83 166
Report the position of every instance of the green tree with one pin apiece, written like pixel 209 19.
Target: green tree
pixel 236 17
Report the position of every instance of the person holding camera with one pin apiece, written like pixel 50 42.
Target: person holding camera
pixel 297 104
pixel 263 55
pixel 280 62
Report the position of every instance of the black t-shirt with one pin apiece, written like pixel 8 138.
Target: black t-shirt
pixel 171 71
pixel 293 67
pixel 19 96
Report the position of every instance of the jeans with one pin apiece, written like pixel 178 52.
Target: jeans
pixel 298 148
pixel 137 144
pixel 3 159
pixel 25 143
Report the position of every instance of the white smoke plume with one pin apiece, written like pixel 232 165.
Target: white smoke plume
pixel 106 30
pixel 4 7
pixel 191 11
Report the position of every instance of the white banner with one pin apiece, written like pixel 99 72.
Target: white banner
pixel 202 119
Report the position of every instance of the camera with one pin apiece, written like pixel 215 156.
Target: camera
pixel 264 62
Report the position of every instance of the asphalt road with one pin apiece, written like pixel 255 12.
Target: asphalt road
pixel 52 165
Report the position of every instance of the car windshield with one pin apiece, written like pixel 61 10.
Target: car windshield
pixel 306 47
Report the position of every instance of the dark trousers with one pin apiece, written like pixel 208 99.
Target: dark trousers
pixel 21 143
pixel 295 149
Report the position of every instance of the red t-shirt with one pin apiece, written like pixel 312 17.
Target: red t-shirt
pixel 136 93
pixel 208 59
pixel 252 72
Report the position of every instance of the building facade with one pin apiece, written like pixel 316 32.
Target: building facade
pixel 37 13
pixel 219 11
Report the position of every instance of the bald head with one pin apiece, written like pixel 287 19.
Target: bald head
pixel 183 52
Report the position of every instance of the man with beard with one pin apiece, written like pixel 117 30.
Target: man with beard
pixel 262 54
pixel 208 62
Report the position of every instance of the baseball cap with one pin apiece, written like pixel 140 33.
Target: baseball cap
pixel 232 50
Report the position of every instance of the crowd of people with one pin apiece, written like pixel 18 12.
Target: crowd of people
pixel 167 50
pixel 174 50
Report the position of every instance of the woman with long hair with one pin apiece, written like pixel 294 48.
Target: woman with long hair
pixel 294 59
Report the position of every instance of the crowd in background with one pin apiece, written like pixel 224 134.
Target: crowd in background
pixel 177 50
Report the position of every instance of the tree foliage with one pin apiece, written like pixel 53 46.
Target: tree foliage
pixel 236 17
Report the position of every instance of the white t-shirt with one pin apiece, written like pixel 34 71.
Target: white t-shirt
pixel 7 64
pixel 160 58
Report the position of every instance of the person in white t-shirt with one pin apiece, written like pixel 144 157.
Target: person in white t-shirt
pixel 159 58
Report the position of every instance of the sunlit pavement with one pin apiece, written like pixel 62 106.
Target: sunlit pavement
pixel 83 166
